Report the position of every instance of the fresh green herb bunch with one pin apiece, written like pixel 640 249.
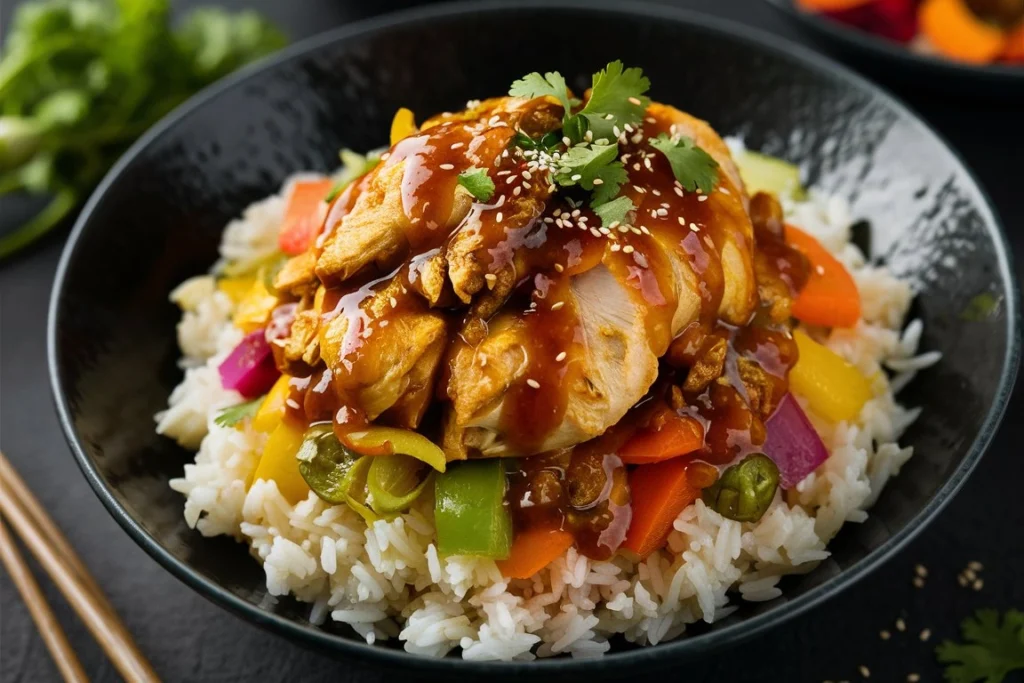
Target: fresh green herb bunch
pixel 81 79
pixel 585 153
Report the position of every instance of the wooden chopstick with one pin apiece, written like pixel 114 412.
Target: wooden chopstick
pixel 58 559
pixel 49 628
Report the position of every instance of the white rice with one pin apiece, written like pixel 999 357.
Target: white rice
pixel 387 581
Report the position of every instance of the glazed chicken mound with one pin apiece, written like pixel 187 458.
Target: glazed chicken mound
pixel 526 322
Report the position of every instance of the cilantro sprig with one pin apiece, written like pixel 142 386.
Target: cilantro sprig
pixel 692 166
pixel 993 649
pixel 478 183
pixel 232 415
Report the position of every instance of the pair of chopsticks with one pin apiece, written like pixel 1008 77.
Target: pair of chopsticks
pixel 22 511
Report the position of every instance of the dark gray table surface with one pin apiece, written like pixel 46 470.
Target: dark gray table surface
pixel 190 639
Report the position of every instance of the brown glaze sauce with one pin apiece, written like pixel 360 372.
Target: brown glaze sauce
pixel 583 489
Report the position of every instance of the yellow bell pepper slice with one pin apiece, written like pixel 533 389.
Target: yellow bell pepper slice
pixel 388 440
pixel 271 411
pixel 236 287
pixel 254 309
pixel 834 388
pixel 278 463
pixel 402 126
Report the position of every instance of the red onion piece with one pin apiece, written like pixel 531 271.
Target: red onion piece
pixel 250 368
pixel 793 443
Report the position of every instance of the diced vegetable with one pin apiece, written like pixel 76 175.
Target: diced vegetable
pixel 324 463
pixel 957 33
pixel 402 126
pixel 830 297
pixel 673 435
pixel 255 307
pixel 1014 50
pixel 303 215
pixel 395 481
pixel 762 173
pixel 235 287
pixel 271 411
pixel 834 389
pixel 744 491
pixel 249 369
pixel 387 440
pixel 278 462
pixel 793 443
pixel 532 550
pixel 469 510
pixel 659 492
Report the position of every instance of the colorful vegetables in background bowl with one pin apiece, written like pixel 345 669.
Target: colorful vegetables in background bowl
pixel 678 491
pixel 80 80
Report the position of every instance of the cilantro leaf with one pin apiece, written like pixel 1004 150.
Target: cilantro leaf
pixel 612 177
pixel 993 650
pixel 478 183
pixel 232 415
pixel 535 85
pixel 581 164
pixel 616 99
pixel 354 166
pixel 614 211
pixel 692 166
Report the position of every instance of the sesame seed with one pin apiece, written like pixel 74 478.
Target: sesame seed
pixel 393 301
pixel 589 136
pixel 975 565
pixel 636 166
pixel 623 228
pixel 559 267
pixel 499 217
pixel 566 141
pixel 560 357
pixel 693 226
pixel 978 585
pixel 491 277
pixel 594 232
pixel 884 635
pixel 921 571
pixel 385 156
pixel 702 198
pixel 864 671
pixel 644 230
pixel 558 212
pixel 913 678
pixel 598 181
pixel 533 383
pixel 647 164
pixel 925 634
pixel 628 249
pixel 557 305
pixel 962 580
pixel 511 178
pixel 616 247
pixel 628 128
pixel 447 167
pixel 483 361
pixel 549 220
pixel 682 221
pixel 662 212
pixel 969 573
pixel 609 117
pixel 516 190
pixel 604 231
pixel 575 176
pixel 654 213
pixel 457 145
pixel 634 230
pixel 918 582
pixel 639 189
pixel 651 119
pixel 505 172
pixel 633 100
pixel 526 174
pixel 901 625
pixel 637 139
pixel 615 131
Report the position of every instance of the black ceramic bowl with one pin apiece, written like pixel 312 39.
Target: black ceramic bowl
pixel 157 219
pixel 891 60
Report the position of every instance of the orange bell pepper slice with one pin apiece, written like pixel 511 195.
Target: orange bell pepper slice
pixel 532 550
pixel 957 33
pixel 303 215
pixel 830 297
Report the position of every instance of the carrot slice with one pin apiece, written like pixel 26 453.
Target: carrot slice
pixel 957 33
pixel 532 550
pixel 659 493
pixel 675 435
pixel 830 297
pixel 831 5
pixel 1014 50
pixel 303 215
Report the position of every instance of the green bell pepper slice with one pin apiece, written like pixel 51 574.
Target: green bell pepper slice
pixel 469 510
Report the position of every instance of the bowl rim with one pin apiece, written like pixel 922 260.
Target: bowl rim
pixel 680 649
pixel 996 74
